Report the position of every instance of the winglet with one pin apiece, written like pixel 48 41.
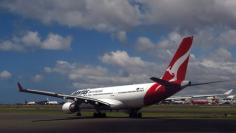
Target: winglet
pixel 20 88
pixel 228 92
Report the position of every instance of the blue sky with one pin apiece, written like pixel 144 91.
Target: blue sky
pixel 64 45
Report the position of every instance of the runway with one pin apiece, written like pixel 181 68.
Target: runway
pixel 24 123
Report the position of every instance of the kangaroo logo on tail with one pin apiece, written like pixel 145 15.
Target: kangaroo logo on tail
pixel 176 70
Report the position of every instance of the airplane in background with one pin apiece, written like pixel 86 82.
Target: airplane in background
pixel 227 93
pixel 130 98
pixel 186 99
pixel 44 102
pixel 213 95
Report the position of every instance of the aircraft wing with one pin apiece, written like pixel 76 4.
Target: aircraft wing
pixel 205 83
pixel 64 96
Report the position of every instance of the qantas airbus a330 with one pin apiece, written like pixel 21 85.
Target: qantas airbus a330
pixel 130 98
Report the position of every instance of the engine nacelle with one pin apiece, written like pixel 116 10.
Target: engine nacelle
pixel 185 83
pixel 70 107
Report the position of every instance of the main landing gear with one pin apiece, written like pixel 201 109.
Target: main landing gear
pixel 95 115
pixel 99 115
pixel 135 114
pixel 78 114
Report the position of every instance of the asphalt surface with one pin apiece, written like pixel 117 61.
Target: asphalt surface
pixel 24 123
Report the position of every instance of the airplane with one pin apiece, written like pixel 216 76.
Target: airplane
pixel 130 98
pixel 51 102
pixel 227 93
pixel 228 100
pixel 44 102
pixel 213 95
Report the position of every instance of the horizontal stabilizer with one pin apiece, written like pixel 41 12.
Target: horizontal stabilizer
pixel 163 82
pixel 204 83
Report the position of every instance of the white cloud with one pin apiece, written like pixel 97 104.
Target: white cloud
pixel 163 49
pixel 8 45
pixel 56 42
pixel 131 66
pixel 5 74
pixel 124 70
pixel 221 54
pixel 121 36
pixel 212 61
pixel 190 15
pixel 47 69
pixel 102 15
pixel 229 67
pixel 121 58
pixel 81 75
pixel 211 38
pixel 37 78
pixel 144 43
pixel 31 40
pixel 212 22
pixel 116 15
pixel 228 37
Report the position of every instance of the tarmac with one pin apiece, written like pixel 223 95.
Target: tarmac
pixel 48 123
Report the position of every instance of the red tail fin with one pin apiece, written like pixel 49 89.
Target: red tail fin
pixel 176 70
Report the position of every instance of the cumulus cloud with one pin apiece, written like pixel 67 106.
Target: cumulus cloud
pixel 228 37
pixel 190 15
pixel 37 78
pixel 5 74
pixel 103 15
pixel 121 58
pixel 227 67
pixel 221 55
pixel 120 68
pixel 213 61
pixel 214 38
pixel 144 43
pixel 211 21
pixel 163 48
pixel 56 42
pixel 81 76
pixel 121 36
pixel 9 45
pixel 31 40
pixel 124 70
pixel 116 15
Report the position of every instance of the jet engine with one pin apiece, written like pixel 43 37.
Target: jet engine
pixel 70 107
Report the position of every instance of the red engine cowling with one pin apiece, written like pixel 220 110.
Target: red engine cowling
pixel 69 107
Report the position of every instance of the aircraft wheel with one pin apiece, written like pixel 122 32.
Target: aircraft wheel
pixel 139 115
pixel 135 115
pixel 78 114
pixel 99 115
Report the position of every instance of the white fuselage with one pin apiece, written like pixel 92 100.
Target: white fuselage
pixel 127 96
